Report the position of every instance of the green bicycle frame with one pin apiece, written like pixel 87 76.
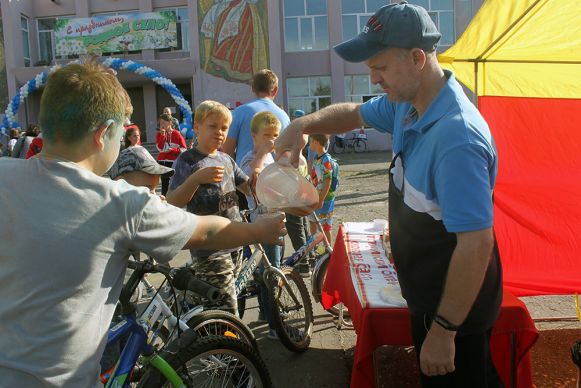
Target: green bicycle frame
pixel 170 374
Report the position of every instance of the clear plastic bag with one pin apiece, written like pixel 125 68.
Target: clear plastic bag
pixel 281 186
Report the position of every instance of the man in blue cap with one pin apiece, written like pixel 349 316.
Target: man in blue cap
pixel 440 197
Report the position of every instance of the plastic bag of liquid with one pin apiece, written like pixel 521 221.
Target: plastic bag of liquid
pixel 281 186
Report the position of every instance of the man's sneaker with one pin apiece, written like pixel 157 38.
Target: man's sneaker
pixel 272 335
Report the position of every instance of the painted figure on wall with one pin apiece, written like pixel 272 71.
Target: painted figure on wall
pixel 233 38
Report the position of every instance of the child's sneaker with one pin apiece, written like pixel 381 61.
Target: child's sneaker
pixel 304 270
pixel 320 250
pixel 272 335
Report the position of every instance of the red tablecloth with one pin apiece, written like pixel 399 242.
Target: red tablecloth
pixel 513 335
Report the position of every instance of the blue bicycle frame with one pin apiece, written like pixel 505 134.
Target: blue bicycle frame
pixel 135 346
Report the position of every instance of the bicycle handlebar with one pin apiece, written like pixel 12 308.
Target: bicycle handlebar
pixel 184 279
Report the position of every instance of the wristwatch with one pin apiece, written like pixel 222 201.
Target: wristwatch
pixel 446 324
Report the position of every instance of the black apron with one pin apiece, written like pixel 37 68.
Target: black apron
pixel 422 249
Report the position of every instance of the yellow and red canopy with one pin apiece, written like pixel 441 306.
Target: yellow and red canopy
pixel 523 61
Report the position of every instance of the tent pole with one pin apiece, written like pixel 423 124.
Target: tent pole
pixel 476 83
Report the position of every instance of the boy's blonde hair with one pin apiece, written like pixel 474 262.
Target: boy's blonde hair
pixel 78 98
pixel 263 120
pixel 209 107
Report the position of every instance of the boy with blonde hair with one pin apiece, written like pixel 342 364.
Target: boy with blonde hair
pixel 264 129
pixel 205 182
pixel 57 297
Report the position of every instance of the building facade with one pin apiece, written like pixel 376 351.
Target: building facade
pixel 219 45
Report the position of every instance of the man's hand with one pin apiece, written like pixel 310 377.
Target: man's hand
pixel 438 351
pixel 291 140
pixel 272 228
pixel 212 174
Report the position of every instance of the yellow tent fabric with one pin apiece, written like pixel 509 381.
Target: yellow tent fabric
pixel 494 55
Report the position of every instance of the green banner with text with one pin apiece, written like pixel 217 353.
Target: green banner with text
pixel 109 34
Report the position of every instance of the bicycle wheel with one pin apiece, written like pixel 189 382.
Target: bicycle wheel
pixel 360 145
pixel 212 361
pixel 293 322
pixel 221 323
pixel 338 147
pixel 319 278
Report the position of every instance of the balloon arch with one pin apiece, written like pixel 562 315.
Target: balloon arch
pixel 9 120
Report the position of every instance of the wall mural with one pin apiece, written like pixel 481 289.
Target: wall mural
pixel 233 38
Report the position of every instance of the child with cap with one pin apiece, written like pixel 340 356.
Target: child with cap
pixel 58 297
pixel 136 166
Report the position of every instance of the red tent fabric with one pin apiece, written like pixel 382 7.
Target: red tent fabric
pixel 538 192
pixel 522 59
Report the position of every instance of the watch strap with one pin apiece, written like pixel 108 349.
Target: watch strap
pixel 446 324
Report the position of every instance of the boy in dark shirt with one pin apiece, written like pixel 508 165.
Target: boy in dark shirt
pixel 205 181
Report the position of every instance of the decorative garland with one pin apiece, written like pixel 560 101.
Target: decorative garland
pixel 9 119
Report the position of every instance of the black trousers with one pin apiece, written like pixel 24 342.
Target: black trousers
pixel 165 179
pixel 474 367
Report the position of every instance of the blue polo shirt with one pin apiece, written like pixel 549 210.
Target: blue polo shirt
pixel 242 116
pixel 449 157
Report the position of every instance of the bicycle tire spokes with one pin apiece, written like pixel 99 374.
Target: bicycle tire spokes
pixel 291 310
pixel 217 361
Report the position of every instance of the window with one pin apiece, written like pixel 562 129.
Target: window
pixel 182 20
pixel 358 88
pixel 355 14
pixel 305 25
pixel 46 48
pixel 46 41
pixel 308 93
pixel 25 40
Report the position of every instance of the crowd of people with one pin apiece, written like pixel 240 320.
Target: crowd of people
pixel 440 205
pixel 23 145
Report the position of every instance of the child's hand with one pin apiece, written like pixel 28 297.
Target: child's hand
pixel 212 174
pixel 272 228
pixel 253 178
pixel 265 148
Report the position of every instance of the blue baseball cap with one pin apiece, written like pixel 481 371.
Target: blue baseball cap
pixel 400 25
pixel 298 113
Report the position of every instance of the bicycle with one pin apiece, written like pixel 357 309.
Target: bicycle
pixel 357 143
pixel 204 322
pixel 288 298
pixel 190 360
